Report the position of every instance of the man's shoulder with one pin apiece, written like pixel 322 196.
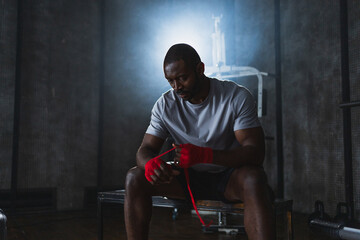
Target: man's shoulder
pixel 165 98
pixel 168 95
pixel 228 86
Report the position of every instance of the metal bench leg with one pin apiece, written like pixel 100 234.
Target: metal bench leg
pixel 175 213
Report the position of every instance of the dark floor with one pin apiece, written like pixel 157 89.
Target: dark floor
pixel 77 225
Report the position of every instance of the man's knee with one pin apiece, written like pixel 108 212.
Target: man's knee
pixel 253 177
pixel 135 179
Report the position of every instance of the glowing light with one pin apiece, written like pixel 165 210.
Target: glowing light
pixel 186 30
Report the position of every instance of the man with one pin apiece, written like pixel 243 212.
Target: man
pixel 217 137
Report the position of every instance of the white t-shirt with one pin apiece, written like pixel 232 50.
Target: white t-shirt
pixel 228 107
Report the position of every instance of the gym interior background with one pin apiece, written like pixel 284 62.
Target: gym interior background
pixel 78 80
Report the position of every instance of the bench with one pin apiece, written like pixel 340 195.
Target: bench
pixel 281 207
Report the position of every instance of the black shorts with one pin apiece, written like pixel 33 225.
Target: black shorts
pixel 205 185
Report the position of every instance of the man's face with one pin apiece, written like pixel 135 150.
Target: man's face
pixel 183 79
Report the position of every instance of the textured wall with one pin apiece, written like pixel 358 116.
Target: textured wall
pixel 313 144
pixel 128 90
pixel 311 82
pixel 59 97
pixel 8 14
pixel 255 47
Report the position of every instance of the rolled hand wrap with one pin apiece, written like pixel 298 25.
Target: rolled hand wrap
pixel 191 155
pixel 152 165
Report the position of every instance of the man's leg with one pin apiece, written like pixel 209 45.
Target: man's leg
pixel 138 202
pixel 249 184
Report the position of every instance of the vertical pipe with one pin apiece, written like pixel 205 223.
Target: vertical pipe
pixel 279 130
pixel 101 92
pixel 345 84
pixel 17 105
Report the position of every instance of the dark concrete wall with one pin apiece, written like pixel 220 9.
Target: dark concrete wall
pixel 313 147
pixel 128 90
pixel 255 47
pixel 311 81
pixel 59 96
pixel 8 15
pixel 313 136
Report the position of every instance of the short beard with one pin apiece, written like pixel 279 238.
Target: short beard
pixel 195 89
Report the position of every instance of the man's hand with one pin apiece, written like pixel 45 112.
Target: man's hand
pixel 157 171
pixel 188 155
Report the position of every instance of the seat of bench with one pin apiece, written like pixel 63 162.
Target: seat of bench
pixel 118 196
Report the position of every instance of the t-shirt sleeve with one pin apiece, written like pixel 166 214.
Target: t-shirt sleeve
pixel 245 111
pixel 157 126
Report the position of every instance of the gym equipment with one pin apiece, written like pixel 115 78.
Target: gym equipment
pixel 319 212
pixel 341 217
pixel 335 230
pixel 338 228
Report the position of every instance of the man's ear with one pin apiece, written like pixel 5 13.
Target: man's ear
pixel 200 68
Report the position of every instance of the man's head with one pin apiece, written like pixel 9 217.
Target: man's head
pixel 184 71
pixel 183 52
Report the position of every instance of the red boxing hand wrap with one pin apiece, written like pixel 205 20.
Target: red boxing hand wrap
pixel 151 166
pixel 191 155
pixel 155 163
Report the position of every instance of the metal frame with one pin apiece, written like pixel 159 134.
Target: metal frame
pixel 345 84
pixel 278 93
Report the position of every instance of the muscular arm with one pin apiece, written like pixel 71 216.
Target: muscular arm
pixel 251 151
pixel 149 148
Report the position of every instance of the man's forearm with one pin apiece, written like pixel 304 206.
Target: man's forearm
pixel 238 157
pixel 143 155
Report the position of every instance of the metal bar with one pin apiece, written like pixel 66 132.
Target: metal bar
pixel 349 233
pixel 260 96
pixel 345 83
pixel 101 94
pixel 350 104
pixel 279 132
pixel 17 105
pixel 335 230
